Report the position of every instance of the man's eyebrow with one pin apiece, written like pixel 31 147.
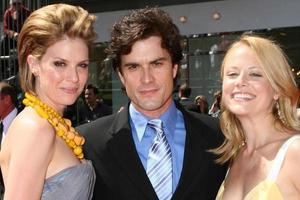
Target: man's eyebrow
pixel 130 64
pixel 158 59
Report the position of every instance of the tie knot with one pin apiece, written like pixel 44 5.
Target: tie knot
pixel 156 123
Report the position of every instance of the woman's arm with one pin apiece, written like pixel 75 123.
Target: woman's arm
pixel 30 154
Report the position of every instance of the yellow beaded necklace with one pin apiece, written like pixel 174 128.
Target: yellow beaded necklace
pixel 62 126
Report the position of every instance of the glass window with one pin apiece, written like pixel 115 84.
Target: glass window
pixel 200 68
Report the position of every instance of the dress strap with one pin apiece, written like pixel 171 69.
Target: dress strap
pixel 277 163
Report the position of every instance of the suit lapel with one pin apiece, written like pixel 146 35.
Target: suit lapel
pixel 193 155
pixel 124 151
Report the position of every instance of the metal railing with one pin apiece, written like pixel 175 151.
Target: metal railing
pixel 14 14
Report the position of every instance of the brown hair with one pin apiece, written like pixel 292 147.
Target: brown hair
pixel 46 26
pixel 139 25
pixel 7 89
pixel 275 65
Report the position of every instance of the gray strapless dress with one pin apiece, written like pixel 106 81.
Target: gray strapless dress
pixel 73 183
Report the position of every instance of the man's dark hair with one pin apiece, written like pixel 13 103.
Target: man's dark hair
pixel 142 24
pixel 92 87
pixel 6 89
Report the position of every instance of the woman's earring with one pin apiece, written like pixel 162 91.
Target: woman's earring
pixel 34 72
pixel 279 113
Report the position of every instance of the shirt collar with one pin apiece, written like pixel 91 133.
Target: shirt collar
pixel 140 120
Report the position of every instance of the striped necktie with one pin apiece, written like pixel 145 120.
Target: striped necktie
pixel 159 163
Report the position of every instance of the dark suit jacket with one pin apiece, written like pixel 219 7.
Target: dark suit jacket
pixel 120 173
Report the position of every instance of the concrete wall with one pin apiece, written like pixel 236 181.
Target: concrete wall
pixel 236 15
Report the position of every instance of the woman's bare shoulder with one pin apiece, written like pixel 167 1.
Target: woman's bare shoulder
pixel 293 151
pixel 289 173
pixel 28 127
pixel 29 121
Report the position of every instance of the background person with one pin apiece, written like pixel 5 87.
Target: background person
pixel 13 20
pixel 184 94
pixel 8 111
pixel 202 104
pixel 40 143
pixel 94 106
pixel 259 122
pixel 215 109
pixel 145 46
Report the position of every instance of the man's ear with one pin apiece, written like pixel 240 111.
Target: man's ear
pixel 175 70
pixel 33 64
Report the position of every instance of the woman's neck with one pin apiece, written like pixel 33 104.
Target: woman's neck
pixel 259 132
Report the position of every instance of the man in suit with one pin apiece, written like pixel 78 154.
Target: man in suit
pixel 184 94
pixel 145 47
pixel 8 111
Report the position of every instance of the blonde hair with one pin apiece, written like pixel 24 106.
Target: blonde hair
pixel 278 72
pixel 46 26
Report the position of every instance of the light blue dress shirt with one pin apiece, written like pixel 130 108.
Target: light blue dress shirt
pixel 174 128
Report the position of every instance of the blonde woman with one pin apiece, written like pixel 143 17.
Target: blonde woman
pixel 41 157
pixel 259 101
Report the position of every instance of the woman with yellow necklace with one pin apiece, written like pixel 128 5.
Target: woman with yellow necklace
pixel 41 157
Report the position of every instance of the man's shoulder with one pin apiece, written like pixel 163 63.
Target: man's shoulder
pixel 202 119
pixel 96 133
pixel 204 127
pixel 198 119
pixel 104 126
pixel 102 123
pixel 100 132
